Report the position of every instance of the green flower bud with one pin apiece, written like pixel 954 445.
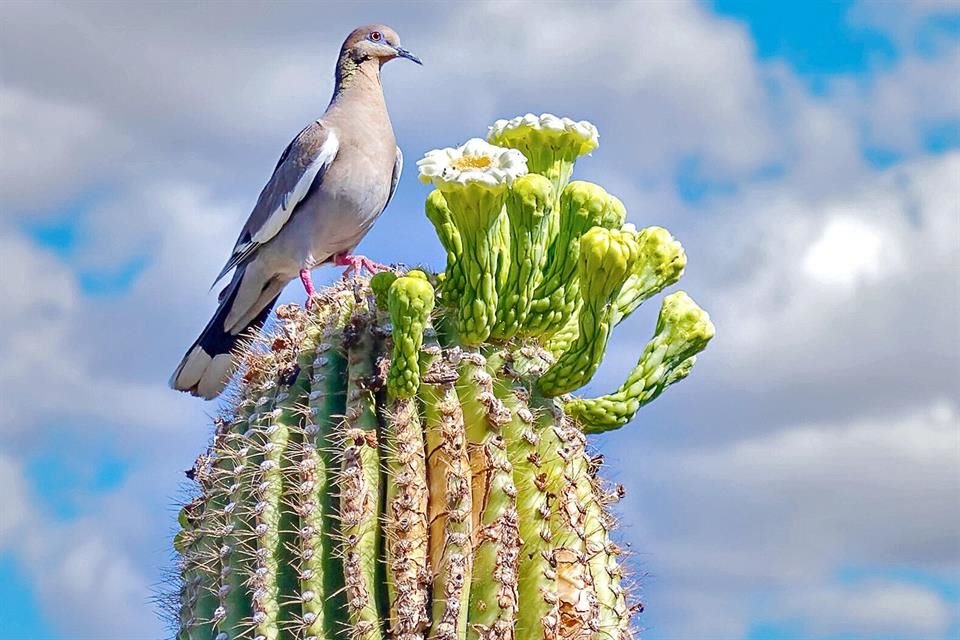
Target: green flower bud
pixel 417 273
pixel 615 214
pixel 439 214
pixel 604 263
pixel 582 205
pixel 410 302
pixel 683 330
pixel 475 211
pixel 659 264
pixel 561 340
pixel 380 284
pixel 529 206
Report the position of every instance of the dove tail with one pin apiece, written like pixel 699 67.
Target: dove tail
pixel 208 364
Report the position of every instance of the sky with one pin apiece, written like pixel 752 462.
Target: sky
pixel 802 484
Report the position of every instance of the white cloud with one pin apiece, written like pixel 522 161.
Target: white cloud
pixel 46 149
pixel 849 250
pixel 674 79
pixel 85 572
pixel 779 513
pixel 88 573
pixel 888 242
pixel 48 336
pixel 877 609
pixel 99 589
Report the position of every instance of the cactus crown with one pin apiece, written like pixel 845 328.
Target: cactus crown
pixel 405 461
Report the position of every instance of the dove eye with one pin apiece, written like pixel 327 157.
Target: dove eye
pixel 376 36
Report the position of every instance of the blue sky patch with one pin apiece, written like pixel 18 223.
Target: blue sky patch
pixel 935 32
pixel 61 230
pixel 852 575
pixel 881 157
pixel 64 237
pixel 115 281
pixel 941 137
pixel 64 232
pixel 694 186
pixel 814 37
pixel 60 236
pixel 789 631
pixel 20 616
pixel 68 477
pixel 779 631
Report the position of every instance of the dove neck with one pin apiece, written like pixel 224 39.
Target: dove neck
pixel 356 76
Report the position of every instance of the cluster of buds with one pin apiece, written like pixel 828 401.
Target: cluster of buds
pixel 534 257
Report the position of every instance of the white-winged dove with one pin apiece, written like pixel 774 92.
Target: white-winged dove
pixel 328 188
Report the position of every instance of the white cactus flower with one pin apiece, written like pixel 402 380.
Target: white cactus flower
pixel 563 135
pixel 476 162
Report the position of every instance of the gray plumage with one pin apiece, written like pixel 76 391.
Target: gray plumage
pixel 330 185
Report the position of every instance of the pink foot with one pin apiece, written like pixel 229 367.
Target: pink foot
pixel 356 264
pixel 308 287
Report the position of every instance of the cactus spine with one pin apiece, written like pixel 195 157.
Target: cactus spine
pixel 404 462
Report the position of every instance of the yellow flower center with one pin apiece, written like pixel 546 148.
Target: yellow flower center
pixel 472 162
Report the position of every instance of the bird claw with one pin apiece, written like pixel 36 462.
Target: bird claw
pixel 308 288
pixel 356 264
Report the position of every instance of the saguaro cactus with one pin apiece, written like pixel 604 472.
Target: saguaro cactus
pixel 404 461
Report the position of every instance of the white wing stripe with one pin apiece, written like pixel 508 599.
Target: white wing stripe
pixel 280 215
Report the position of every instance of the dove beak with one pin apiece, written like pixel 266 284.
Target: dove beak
pixel 403 53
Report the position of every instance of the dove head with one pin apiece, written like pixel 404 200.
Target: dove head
pixel 374 42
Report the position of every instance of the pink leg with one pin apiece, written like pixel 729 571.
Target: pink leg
pixel 307 286
pixel 356 264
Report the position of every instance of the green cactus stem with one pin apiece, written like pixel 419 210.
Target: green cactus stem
pixel 405 521
pixel 319 471
pixel 200 522
pixel 563 467
pixel 606 571
pixel 275 524
pixel 683 330
pixel 600 552
pixel 238 551
pixel 605 259
pixel 493 594
pixel 449 510
pixel 360 485
pixel 537 613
